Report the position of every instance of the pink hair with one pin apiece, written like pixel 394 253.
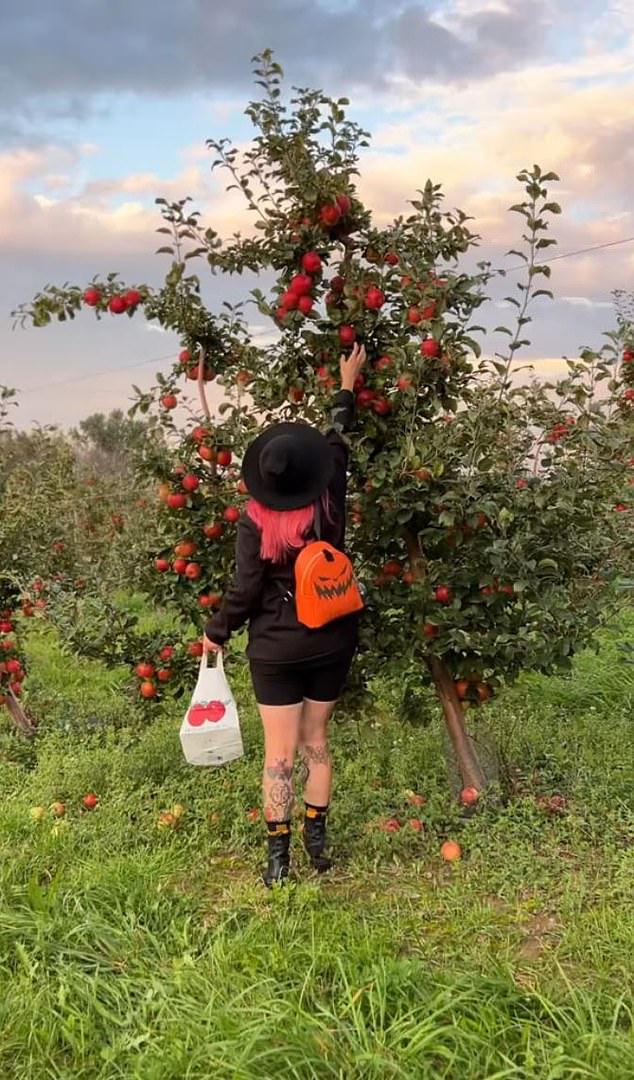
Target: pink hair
pixel 284 531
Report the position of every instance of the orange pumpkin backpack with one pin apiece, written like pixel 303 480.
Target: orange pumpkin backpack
pixel 325 584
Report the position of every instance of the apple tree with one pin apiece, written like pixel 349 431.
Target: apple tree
pixel 489 510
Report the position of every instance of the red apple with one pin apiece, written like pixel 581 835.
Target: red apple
pixel 430 347
pixel 195 648
pixel 392 258
pixel 628 356
pixel 224 458
pixel 344 204
pixel 185 356
pixel 176 500
pixel 92 297
pixel 162 565
pixel 145 670
pixel 443 594
pixel 404 383
pixel 414 316
pixel 133 298
pixel 329 216
pixel 169 401
pixel 90 801
pixel 214 531
pixel 311 262
pixel 118 305
pixel 179 566
pixel 167 652
pixel 374 298
pixel 337 284
pixel 450 851
pixel 190 482
pixel 430 630
pixel 193 570
pixel 416 825
pixel 382 407
pixel 383 363
pixel 347 335
pixel 365 397
pixel 147 690
pixel 232 515
pixel 469 796
pixel 305 305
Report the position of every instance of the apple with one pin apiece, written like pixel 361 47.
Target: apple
pixel 200 433
pixel 392 568
pixel 508 590
pixel 118 305
pixel 176 500
pixel 90 801
pixel 405 383
pixel 430 630
pixel 450 851
pixel 190 482
pixel 487 590
pixel 365 398
pixel 92 297
pixel 162 565
pixel 469 796
pixel 305 305
pixel 621 508
pixel 301 284
pixel 344 204
pixel 484 692
pixel 347 335
pixel 144 670
pixel 443 594
pixel 185 549
pixel 296 395
pixel 289 300
pixel 416 800
pixel 169 401
pixel 206 453
pixel 429 311
pixel 58 809
pixel 164 675
pixel 253 814
pixel 390 825
pixel 147 690
pixel 374 298
pixel 329 215
pixel 185 356
pixel 193 571
pixel 416 825
pixel 462 689
pixel 232 515
pixel 179 566
pixel 337 284
pixel 167 652
pixel 521 484
pixel 414 316
pixel 628 356
pixel 224 458
pixel 557 804
pixel 392 259
pixel 6 627
pixel 167 820
pixel 37 813
pixel 424 475
pixel 214 531
pixel 384 363
pixel 133 298
pixel 382 407
pixel 311 262
pixel 195 648
pixel 430 347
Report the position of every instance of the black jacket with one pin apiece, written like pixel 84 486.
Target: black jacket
pixel 257 591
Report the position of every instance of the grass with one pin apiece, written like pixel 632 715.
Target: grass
pixel 130 952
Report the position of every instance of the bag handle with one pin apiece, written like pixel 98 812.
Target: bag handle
pixel 219 665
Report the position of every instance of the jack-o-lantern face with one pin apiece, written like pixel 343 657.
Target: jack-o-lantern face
pixel 336 576
pixel 326 587
pixel 206 711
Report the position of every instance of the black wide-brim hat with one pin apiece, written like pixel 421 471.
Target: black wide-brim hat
pixel 288 466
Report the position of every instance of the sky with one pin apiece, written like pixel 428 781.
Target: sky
pixel 104 107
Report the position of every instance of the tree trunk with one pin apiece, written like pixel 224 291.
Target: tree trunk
pixel 470 768
pixel 21 720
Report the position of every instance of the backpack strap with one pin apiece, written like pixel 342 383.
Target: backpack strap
pixel 289 594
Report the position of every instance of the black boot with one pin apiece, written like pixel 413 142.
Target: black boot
pixel 315 837
pixel 279 838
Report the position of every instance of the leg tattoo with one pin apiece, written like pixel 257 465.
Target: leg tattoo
pixel 278 790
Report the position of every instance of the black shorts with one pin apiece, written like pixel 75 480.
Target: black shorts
pixel 289 684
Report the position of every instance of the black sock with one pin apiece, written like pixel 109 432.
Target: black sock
pixel 316 813
pixel 278 828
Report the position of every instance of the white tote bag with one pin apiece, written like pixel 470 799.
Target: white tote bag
pixel 210 732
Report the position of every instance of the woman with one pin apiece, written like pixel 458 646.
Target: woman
pixel 296 478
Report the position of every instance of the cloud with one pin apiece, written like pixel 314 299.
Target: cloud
pixel 61 60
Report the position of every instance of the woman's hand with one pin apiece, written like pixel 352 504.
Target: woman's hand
pixel 351 367
pixel 210 646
